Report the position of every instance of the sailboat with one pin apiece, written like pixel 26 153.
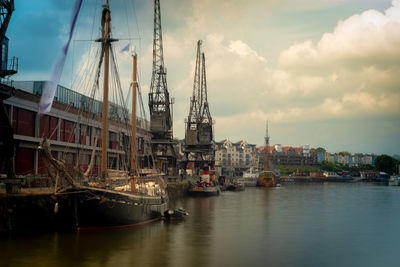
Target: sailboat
pixel 116 198
pixel 266 178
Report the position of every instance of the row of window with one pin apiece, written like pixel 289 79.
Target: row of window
pixel 24 123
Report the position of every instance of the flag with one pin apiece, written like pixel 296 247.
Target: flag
pixel 50 87
pixel 126 48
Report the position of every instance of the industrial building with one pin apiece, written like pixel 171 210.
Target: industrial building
pixel 71 126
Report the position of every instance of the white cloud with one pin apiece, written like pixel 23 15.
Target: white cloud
pixel 369 38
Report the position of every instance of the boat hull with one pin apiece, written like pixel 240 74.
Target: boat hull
pixel 235 187
pixel 205 191
pixel 266 179
pixel 97 209
pixel 250 181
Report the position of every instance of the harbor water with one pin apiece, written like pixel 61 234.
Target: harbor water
pixel 303 224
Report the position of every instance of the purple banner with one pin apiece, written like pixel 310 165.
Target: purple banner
pixel 50 87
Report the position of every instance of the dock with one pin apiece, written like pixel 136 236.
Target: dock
pixel 294 179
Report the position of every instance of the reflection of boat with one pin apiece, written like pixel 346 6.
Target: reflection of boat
pixel 119 197
pixel 250 177
pixel 267 177
pixel 207 184
pixel 394 180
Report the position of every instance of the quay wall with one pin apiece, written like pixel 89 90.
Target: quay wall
pixel 289 179
pixel 176 190
pixel 27 213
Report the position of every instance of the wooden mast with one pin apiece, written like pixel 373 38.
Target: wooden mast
pixel 266 163
pixel 106 45
pixel 133 118
pixel 133 123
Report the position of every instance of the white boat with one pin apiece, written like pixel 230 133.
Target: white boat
pixel 250 177
pixel 394 180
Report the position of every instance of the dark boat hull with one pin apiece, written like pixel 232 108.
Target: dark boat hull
pixel 96 209
pixel 266 179
pixel 205 191
pixel 235 187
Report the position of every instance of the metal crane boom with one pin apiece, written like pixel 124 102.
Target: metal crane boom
pixel 6 10
pixel 195 101
pixel 205 115
pixel 199 142
pixel 159 102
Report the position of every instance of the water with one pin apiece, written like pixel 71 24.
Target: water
pixel 295 225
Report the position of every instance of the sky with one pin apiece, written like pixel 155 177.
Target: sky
pixel 324 73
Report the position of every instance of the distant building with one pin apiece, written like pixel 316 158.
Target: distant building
pixel 289 156
pixel 235 157
pixel 320 157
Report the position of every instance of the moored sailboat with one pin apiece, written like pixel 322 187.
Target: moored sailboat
pixel 117 198
pixel 266 178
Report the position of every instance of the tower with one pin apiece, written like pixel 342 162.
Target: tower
pixel 160 103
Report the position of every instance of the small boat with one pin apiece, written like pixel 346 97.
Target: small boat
pixel 205 189
pixel 250 177
pixel 206 186
pixel 235 186
pixel 394 180
pixel 178 214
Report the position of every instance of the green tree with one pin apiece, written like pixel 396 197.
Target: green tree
pixel 328 166
pixel 385 163
pixel 320 149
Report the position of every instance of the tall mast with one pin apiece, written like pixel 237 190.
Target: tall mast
pixel 266 164
pixel 106 29
pixel 133 118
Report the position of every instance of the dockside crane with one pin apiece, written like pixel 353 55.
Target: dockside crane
pixel 8 67
pixel 199 138
pixel 161 124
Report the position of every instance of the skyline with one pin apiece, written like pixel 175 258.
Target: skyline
pixel 326 73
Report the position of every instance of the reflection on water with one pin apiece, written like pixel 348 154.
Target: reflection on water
pixel 295 225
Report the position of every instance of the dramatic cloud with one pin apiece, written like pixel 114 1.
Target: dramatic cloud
pixel 370 38
pixel 334 83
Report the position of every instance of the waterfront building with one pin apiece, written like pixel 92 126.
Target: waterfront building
pixel 234 158
pixel 290 156
pixel 349 159
pixel 71 138
pixel 320 157
pixel 356 159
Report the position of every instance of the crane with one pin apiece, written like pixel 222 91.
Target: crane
pixel 163 144
pixel 199 138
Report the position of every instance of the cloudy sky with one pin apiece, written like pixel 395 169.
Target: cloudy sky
pixel 323 72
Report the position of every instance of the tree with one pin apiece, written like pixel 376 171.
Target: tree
pixel 328 166
pixel 385 163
